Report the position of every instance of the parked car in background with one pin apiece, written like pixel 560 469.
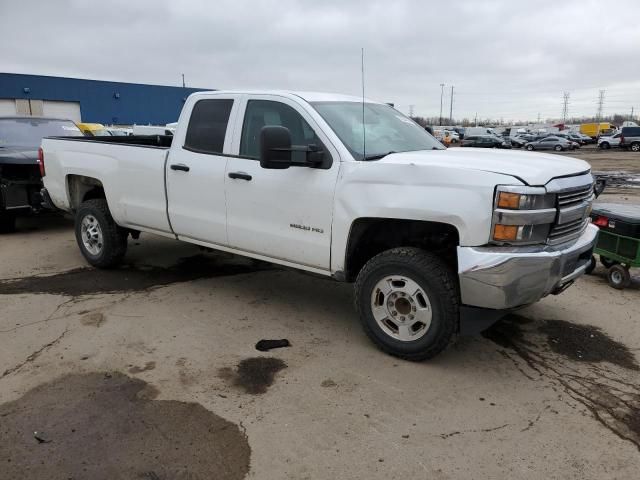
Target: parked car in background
pixel 608 142
pixel 518 142
pixel 574 137
pixel 630 138
pixel 469 236
pixel 94 130
pixel 549 143
pixel 453 136
pixel 20 172
pixel 484 141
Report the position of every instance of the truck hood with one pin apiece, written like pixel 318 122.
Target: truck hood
pixel 18 156
pixel 530 167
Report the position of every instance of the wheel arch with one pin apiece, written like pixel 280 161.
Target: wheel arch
pixel 370 236
pixel 81 188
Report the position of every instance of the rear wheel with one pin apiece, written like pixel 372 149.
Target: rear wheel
pixel 635 147
pixel 102 242
pixel 7 222
pixel 592 265
pixel 407 300
pixel 529 147
pixel 619 277
pixel 558 148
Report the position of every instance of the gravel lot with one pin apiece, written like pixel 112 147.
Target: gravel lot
pixel 151 372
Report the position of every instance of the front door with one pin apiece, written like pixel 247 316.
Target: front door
pixel 283 214
pixel 196 172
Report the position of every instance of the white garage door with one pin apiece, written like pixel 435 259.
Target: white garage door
pixel 69 110
pixel 7 107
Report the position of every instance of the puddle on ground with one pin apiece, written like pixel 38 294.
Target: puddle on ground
pixel 105 426
pixel 130 278
pixel 254 375
pixel 589 366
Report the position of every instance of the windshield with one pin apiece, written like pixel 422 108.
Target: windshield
pixel 385 130
pixel 28 132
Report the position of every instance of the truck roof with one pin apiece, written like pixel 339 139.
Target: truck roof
pixel 308 96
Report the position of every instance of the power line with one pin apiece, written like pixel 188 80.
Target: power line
pixel 441 97
pixel 600 104
pixel 565 107
pixel 451 107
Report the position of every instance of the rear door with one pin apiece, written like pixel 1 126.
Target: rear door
pixel 282 214
pixel 196 171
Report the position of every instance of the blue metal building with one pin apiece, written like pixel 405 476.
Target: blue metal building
pixel 93 101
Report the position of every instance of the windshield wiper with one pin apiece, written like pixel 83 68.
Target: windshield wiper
pixel 377 156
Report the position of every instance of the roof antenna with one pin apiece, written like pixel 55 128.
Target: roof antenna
pixel 364 135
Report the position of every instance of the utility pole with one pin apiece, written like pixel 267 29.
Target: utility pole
pixel 600 104
pixel 631 118
pixel 451 107
pixel 441 95
pixel 411 110
pixel 538 118
pixel 183 80
pixel 565 107
pixel 476 119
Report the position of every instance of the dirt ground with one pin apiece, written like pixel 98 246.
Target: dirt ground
pixel 152 372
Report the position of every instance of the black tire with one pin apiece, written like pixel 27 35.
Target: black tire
pixel 592 265
pixel 114 238
pixel 607 262
pixel 529 147
pixel 619 277
pixel 635 147
pixel 558 148
pixel 437 281
pixel 7 222
pixel 605 145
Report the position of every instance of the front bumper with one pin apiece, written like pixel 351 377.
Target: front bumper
pixel 502 278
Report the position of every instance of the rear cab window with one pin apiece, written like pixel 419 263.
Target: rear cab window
pixel 208 126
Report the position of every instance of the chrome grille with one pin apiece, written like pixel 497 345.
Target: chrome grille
pixel 576 219
pixel 574 197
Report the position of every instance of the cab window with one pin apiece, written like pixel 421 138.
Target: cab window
pixel 263 113
pixel 208 125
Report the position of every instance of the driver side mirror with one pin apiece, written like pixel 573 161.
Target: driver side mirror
pixel 275 147
pixel 276 151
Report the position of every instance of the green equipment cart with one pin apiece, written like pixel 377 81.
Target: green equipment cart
pixel 618 242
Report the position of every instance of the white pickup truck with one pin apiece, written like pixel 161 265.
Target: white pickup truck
pixel 438 241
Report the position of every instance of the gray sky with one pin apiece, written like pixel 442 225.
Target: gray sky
pixel 509 59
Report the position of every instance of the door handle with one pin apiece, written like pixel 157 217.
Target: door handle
pixel 240 176
pixel 180 167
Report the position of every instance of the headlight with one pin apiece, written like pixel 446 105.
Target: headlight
pixel 522 215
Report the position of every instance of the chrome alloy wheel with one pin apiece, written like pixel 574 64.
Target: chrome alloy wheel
pixel 401 308
pixel 92 238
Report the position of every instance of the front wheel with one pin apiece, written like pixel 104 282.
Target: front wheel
pixel 605 145
pixel 592 265
pixel 102 242
pixel 407 300
pixel 558 148
pixel 529 147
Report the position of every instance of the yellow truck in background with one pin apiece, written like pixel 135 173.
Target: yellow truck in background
pixel 594 130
